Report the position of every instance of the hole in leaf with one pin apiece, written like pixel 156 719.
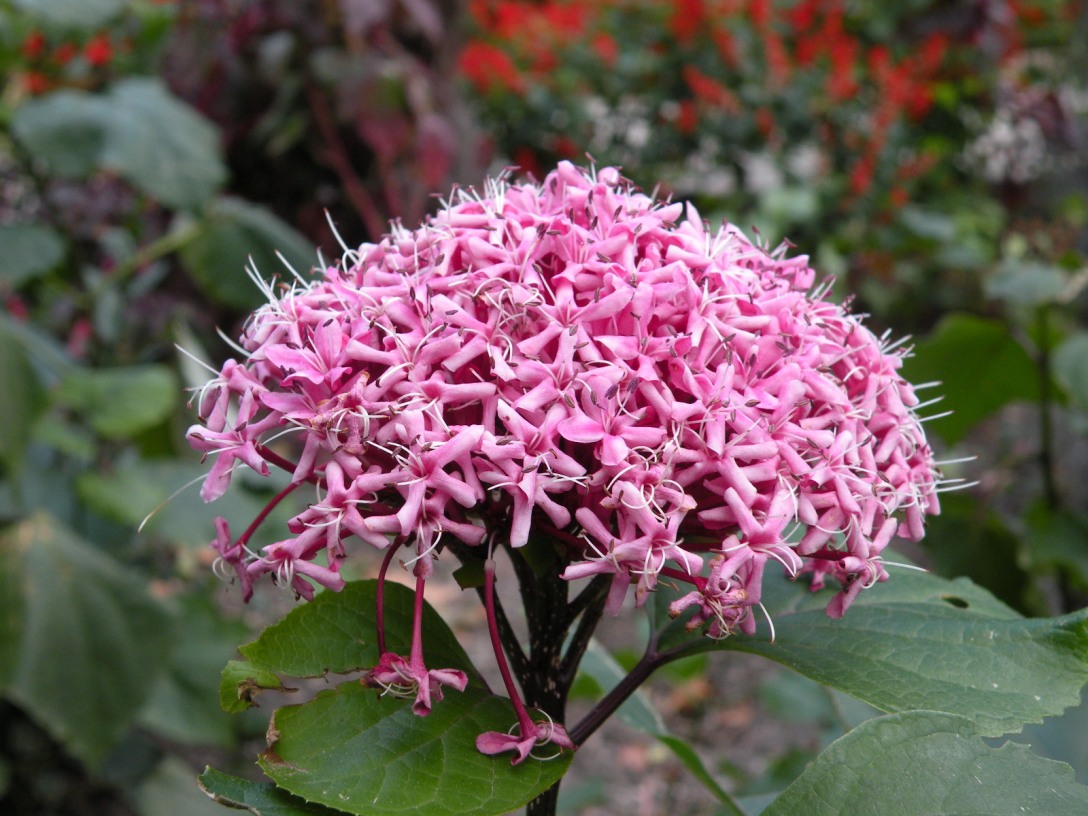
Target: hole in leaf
pixel 952 600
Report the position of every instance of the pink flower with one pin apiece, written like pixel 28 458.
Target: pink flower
pixel 399 676
pixel 575 358
pixel 541 733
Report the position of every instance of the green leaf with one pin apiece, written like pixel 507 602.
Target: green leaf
pixel 969 539
pixel 82 13
pixel 1024 283
pixel 1070 363
pixel 12 606
pixel 92 641
pixel 260 798
pixel 24 400
pixel 236 234
pixel 161 145
pixel 929 764
pixel 982 369
pixel 920 642
pixel 336 633
pixel 121 402
pixel 1057 538
pixel 138 129
pixel 26 251
pixel 65 130
pixel 240 680
pixel 351 749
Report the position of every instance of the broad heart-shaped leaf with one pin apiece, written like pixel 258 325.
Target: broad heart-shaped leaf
pixel 351 749
pixel 66 130
pixel 336 632
pixel 926 763
pixel 981 368
pixel 138 129
pixel 91 640
pixel 236 234
pixel 161 145
pixel 919 642
pixel 260 798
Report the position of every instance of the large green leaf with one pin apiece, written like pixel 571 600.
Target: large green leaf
pixel 120 402
pixel 91 643
pixel 981 368
pixel 138 129
pixel 65 130
pixel 26 251
pixel 1026 284
pixel 161 145
pixel 236 235
pixel 356 751
pixel 920 642
pixel 924 763
pixel 260 798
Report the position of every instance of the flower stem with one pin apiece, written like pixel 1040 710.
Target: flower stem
pixel 379 595
pixel 524 720
pixel 243 539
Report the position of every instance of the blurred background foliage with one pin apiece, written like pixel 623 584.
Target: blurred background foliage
pixel 931 155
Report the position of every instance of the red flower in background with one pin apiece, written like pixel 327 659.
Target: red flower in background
pixel 98 51
pixel 489 68
pixel 33 45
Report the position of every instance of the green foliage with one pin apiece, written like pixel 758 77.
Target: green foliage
pixel 85 640
pixel 137 129
pixel 27 251
pixel 1071 368
pixel 926 763
pixel 120 402
pixel 980 367
pixel 237 235
pixel 921 642
pixel 260 798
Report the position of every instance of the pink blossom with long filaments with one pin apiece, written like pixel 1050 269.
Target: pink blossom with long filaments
pixel 575 359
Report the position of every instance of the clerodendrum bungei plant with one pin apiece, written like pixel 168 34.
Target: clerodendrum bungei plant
pixel 628 406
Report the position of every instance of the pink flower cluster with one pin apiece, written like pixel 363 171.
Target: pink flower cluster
pixel 574 359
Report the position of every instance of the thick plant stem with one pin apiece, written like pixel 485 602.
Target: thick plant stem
pixel 545 804
pixel 1046 404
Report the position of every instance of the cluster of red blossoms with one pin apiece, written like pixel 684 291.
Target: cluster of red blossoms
pixel 45 61
pixel 572 360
